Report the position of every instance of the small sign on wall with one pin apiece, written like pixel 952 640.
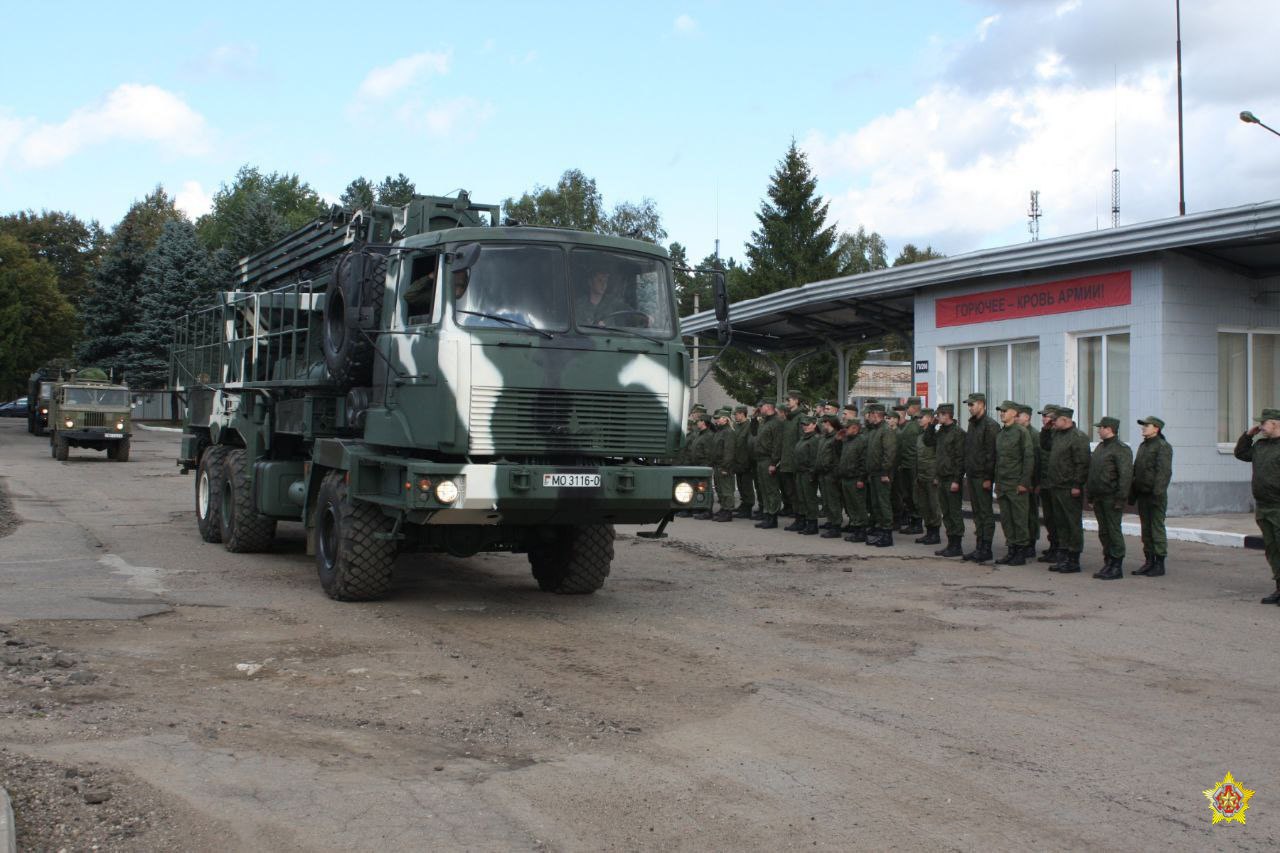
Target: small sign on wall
pixel 922 391
pixel 922 366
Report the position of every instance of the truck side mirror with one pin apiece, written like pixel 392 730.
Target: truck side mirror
pixel 465 257
pixel 721 304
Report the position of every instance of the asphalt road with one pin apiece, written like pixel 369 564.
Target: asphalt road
pixel 729 688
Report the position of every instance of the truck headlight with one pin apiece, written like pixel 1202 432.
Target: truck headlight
pixel 683 492
pixel 446 491
pixel 120 426
pixel 68 423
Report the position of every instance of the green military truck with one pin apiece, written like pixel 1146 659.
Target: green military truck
pixel 39 392
pixel 423 378
pixel 90 412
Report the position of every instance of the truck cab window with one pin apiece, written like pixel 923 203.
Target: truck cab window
pixel 619 290
pixel 420 296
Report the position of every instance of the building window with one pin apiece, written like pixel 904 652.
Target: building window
pixel 1001 371
pixel 1102 387
pixel 1248 373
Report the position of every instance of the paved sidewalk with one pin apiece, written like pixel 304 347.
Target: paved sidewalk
pixel 1231 530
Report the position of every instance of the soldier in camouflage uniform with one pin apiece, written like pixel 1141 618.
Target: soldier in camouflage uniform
pixel 703 453
pixel 1264 453
pixel 1110 475
pixel 882 457
pixel 830 443
pixel 787 464
pixel 853 479
pixel 908 442
pixel 767 452
pixel 1053 553
pixel 1015 467
pixel 1068 470
pixel 1152 471
pixel 947 439
pixel 979 470
pixel 743 466
pixel 806 459
pixel 1033 497
pixel 722 454
pixel 926 484
pixel 757 511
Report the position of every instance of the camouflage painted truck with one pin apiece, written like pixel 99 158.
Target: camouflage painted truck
pixel 89 411
pixel 423 378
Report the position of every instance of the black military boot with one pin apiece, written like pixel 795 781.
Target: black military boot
pixel 684 513
pixel 873 535
pixel 1157 568
pixel 856 534
pixel 917 525
pixel 1113 570
pixel 722 515
pixel 768 522
pixel 1051 555
pixel 984 551
pixel 831 533
pixel 1018 556
pixel 953 548
pixel 973 555
pixel 742 512
pixel 796 525
pixel 885 540
pixel 1273 598
pixel 702 515
pixel 1008 556
pixel 1071 565
pixel 811 528
pixel 930 537
pixel 1147 565
pixel 757 515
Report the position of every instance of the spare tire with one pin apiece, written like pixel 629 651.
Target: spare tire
pixel 352 312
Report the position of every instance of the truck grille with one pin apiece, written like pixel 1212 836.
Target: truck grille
pixel 95 419
pixel 608 423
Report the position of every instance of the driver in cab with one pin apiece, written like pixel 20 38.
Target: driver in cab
pixel 597 305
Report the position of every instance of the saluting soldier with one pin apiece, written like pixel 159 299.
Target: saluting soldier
pixel 926 483
pixel 1264 453
pixel 1152 471
pixel 1054 553
pixel 882 457
pixel 1015 467
pixel 1033 496
pixel 767 452
pixel 806 458
pixel 829 447
pixel 908 443
pixel 853 479
pixel 742 462
pixel 1068 470
pixel 787 464
pixel 723 458
pixel 703 453
pixel 979 470
pixel 1110 476
pixel 947 439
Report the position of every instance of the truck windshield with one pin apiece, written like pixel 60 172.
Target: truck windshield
pixel 521 284
pixel 96 397
pixel 616 291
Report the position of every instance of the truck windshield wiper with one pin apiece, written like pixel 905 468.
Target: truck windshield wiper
pixel 626 331
pixel 501 319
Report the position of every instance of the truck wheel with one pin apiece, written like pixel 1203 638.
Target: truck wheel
pixel 576 562
pixel 244 529
pixel 118 452
pixel 353 562
pixel 61 448
pixel 359 283
pixel 209 494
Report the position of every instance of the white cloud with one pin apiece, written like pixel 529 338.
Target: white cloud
pixel 193 200
pixel 132 112
pixel 456 117
pixel 385 81
pixel 1066 7
pixel 237 61
pixel 685 25
pixel 986 24
pixel 1050 66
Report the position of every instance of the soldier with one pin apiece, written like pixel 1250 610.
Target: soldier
pixel 1068 470
pixel 1110 476
pixel 829 446
pixel 908 441
pixel 806 458
pixel 853 479
pixel 947 440
pixel 757 511
pixel 1265 456
pixel 979 469
pixel 1053 553
pixel 1033 496
pixel 882 456
pixel 767 452
pixel 1015 467
pixel 702 453
pixel 1152 470
pixel 787 464
pixel 742 463
pixel 723 452
pixel 926 482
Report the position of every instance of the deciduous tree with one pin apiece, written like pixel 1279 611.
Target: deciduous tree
pixel 35 319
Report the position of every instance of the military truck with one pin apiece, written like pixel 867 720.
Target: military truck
pixel 89 411
pixel 39 391
pixel 427 379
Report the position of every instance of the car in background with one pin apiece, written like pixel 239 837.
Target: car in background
pixel 14 408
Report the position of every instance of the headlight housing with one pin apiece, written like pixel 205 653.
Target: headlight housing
pixel 446 491
pixel 683 493
pixel 120 426
pixel 68 423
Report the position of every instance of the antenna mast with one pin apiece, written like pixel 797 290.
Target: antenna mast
pixel 1033 216
pixel 1115 171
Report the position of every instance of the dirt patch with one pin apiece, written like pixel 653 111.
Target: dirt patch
pixel 9 520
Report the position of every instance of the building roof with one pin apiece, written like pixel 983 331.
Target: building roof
pixel 852 308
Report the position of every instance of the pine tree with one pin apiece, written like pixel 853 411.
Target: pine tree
pixel 358 195
pixel 396 191
pixel 240 222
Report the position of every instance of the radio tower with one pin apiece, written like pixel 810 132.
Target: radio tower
pixel 1115 198
pixel 1115 171
pixel 1033 216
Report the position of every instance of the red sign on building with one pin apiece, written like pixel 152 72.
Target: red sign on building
pixel 1034 300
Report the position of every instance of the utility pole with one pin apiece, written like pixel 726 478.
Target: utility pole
pixel 1182 195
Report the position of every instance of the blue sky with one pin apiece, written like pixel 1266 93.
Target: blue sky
pixel 929 122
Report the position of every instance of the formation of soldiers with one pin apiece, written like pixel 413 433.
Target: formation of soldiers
pixel 907 469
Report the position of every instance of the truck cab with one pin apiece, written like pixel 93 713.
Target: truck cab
pixel 91 415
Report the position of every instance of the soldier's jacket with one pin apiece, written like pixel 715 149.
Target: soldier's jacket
pixel 769 441
pixel 685 456
pixel 790 437
pixel 980 448
pixel 1068 460
pixel 948 443
pixel 702 452
pixel 828 454
pixel 1015 458
pixel 882 450
pixel 1153 467
pixel 1110 470
pixel 724 449
pixel 742 440
pixel 1047 437
pixel 1265 456
pixel 853 458
pixel 907 443
pixel 926 458
pixel 1039 466
pixel 806 453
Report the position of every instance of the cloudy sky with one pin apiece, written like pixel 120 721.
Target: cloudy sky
pixel 929 122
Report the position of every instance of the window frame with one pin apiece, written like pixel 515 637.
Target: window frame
pixel 944 394
pixel 1229 446
pixel 1103 334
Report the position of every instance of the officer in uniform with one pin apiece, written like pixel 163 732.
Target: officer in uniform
pixel 1033 498
pixel 703 452
pixel 1052 554
pixel 1152 470
pixel 1015 469
pixel 882 458
pixel 908 442
pixel 723 451
pixel 979 470
pixel 1264 453
pixel 757 511
pixel 947 439
pixel 742 463
pixel 787 463
pixel 853 478
pixel 1068 471
pixel 767 452
pixel 925 494
pixel 830 443
pixel 1110 476
pixel 806 459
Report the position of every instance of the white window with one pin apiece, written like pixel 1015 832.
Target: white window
pixel 1102 384
pixel 1248 379
pixel 1008 371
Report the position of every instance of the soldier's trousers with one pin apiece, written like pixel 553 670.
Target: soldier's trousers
pixel 832 498
pixel 984 517
pixel 724 488
pixel 770 496
pixel 1268 518
pixel 757 490
pixel 906 477
pixel 926 502
pixel 1013 517
pixel 787 485
pixel 806 495
pixel 879 503
pixel 952 504
pixel 855 501
pixel 1050 521
pixel 1109 534
pixel 1068 520
pixel 1151 512
pixel 1033 518
pixel 746 489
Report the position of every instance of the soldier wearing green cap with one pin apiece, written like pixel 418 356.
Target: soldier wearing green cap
pixel 742 464
pixel 722 450
pixel 908 441
pixel 980 470
pixel 806 458
pixel 925 493
pixel 1264 454
pixel 1033 497
pixel 947 440
pixel 830 442
pixel 1068 470
pixel 1015 467
pixel 702 452
pixel 882 457
pixel 787 464
pixel 1044 491
pixel 853 479
pixel 1152 471
pixel 1110 476
pixel 767 453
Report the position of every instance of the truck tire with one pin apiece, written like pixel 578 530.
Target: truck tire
pixel 244 529
pixel 209 493
pixel 576 562
pixel 118 452
pixel 61 448
pixel 359 283
pixel 353 562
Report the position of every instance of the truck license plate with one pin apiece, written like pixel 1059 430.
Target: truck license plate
pixel 115 435
pixel 571 481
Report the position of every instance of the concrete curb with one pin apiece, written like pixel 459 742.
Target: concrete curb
pixel 158 428
pixel 8 832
